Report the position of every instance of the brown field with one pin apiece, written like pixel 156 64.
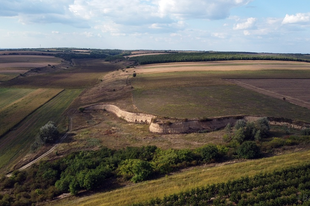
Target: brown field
pixel 293 90
pixel 28 61
pixel 84 74
pixel 238 65
pixel 28 52
pixel 144 54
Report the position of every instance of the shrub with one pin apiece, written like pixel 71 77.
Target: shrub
pixel 240 123
pixel 49 133
pixel 139 170
pixel 210 153
pixel 248 150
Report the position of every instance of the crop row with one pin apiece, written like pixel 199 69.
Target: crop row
pixel 284 187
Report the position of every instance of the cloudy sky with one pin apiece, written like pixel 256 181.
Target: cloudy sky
pixel 221 25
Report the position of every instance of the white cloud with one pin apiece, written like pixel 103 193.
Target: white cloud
pixel 245 25
pixel 207 9
pixel 296 19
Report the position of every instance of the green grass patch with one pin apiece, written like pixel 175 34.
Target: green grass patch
pixel 9 95
pixel 17 142
pixel 189 179
pixel 13 113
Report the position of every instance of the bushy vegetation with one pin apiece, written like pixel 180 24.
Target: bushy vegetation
pixel 91 170
pixel 248 131
pixel 94 54
pixel 215 56
pixel 48 134
pixel 289 186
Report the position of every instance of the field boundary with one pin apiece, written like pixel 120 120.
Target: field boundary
pixel 15 125
pixel 271 93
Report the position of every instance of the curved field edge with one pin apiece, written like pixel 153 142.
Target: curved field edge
pixel 216 56
pixel 206 94
pixel 16 143
pixel 189 179
pixel 15 112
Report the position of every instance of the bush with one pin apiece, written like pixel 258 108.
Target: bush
pixel 139 170
pixel 248 150
pixel 240 123
pixel 210 153
pixel 49 133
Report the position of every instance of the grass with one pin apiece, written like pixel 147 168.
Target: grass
pixel 189 179
pixel 17 110
pixel 205 94
pixel 9 95
pixel 17 143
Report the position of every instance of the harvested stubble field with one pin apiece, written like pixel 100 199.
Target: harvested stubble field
pixel 15 110
pixel 83 74
pixel 12 66
pixel 238 65
pixel 17 143
pixel 201 91
pixel 28 61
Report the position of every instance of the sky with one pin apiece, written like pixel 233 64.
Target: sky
pixel 276 26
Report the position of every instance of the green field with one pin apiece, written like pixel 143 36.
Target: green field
pixel 205 94
pixel 189 179
pixel 17 142
pixel 16 110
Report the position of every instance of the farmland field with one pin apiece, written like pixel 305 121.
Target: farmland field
pixel 236 65
pixel 12 66
pixel 17 142
pixel 85 73
pixel 12 113
pixel 199 89
pixel 189 179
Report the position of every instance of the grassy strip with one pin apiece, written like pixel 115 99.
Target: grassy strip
pixel 189 179
pixel 9 95
pixel 18 110
pixel 16 143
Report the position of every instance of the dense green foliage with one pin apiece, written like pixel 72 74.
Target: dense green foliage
pixel 94 54
pixel 248 131
pixel 215 56
pixel 289 186
pixel 91 170
pixel 248 150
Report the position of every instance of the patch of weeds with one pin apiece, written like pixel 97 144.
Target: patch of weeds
pixel 93 142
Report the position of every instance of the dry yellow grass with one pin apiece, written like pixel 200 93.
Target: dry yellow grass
pixel 16 111
pixel 238 65
pixel 188 179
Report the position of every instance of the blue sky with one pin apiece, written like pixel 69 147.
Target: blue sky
pixel 220 25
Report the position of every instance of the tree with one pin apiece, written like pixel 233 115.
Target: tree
pixel 209 153
pixel 248 150
pixel 263 125
pixel 138 169
pixel 49 133
pixel 240 123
